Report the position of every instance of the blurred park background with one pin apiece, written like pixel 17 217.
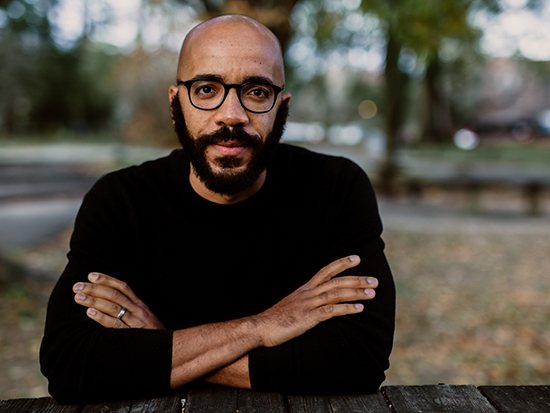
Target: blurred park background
pixel 446 104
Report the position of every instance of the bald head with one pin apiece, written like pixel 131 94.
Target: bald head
pixel 217 42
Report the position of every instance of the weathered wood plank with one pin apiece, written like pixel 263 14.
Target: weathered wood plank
pixel 518 399
pixel 368 403
pixel 309 404
pixel 260 402
pixel 437 398
pixel 210 400
pixel 49 405
pixel 109 407
pixel 166 404
pixel 16 405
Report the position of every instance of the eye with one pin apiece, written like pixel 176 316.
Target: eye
pixel 203 90
pixel 259 92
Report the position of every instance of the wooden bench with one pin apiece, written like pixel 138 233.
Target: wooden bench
pixel 532 188
pixel 390 399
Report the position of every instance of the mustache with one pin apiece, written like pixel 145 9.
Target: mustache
pixel 226 134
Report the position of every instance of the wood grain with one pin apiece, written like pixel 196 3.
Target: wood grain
pixel 219 400
pixel 309 404
pixel 369 403
pixel 168 404
pixel 260 402
pixel 437 398
pixel 110 407
pixel 15 405
pixel 518 399
pixel 49 405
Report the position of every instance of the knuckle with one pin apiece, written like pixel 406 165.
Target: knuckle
pixel 113 308
pixel 336 282
pixel 113 294
pixel 120 324
pixel 327 310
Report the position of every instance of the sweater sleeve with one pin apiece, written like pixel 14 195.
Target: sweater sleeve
pixel 83 361
pixel 346 354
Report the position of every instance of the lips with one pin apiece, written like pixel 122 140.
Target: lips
pixel 230 148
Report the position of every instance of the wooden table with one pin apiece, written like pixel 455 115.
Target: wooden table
pixel 391 399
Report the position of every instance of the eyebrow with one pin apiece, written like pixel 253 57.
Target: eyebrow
pixel 247 79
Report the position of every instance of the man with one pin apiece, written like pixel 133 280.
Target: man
pixel 228 261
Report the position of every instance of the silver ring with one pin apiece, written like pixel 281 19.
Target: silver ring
pixel 122 312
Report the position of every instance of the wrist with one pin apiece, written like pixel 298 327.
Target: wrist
pixel 256 326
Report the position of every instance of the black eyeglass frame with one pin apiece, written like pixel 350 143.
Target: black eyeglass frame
pixel 227 88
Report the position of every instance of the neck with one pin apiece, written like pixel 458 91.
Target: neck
pixel 203 191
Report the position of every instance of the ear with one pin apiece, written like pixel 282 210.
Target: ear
pixel 172 92
pixel 287 97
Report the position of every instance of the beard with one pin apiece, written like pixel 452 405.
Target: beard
pixel 226 180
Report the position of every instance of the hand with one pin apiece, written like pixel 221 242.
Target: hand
pixel 106 296
pixel 322 298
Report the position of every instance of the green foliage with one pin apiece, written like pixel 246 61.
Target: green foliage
pixel 47 88
pixel 422 24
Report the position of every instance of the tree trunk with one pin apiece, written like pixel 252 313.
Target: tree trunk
pixel 274 14
pixel 396 84
pixel 438 126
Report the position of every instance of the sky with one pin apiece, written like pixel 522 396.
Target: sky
pixel 516 29
pixel 162 25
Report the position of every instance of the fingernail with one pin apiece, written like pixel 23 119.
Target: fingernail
pixel 78 287
pixel 359 306
pixel 93 276
pixel 372 280
pixel 91 311
pixel 369 292
pixel 80 297
pixel 354 258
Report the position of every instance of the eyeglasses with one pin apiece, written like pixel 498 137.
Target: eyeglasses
pixel 208 94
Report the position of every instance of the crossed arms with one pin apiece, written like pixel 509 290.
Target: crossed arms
pixel 225 297
pixel 218 352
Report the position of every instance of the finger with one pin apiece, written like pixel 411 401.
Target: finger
pixel 347 282
pixel 105 293
pixel 105 306
pixel 334 268
pixel 103 279
pixel 104 319
pixel 344 295
pixel 335 310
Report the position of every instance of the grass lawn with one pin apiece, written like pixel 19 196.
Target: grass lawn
pixel 535 156
pixel 470 309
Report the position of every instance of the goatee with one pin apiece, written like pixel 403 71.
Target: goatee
pixel 226 180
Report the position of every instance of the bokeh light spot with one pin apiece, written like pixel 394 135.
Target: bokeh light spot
pixel 466 139
pixel 367 109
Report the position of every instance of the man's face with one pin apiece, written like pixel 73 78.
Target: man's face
pixel 229 142
pixel 228 178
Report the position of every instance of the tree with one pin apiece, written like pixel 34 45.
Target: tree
pixel 419 25
pixel 48 86
pixel 274 14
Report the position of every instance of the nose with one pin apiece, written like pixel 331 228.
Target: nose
pixel 231 112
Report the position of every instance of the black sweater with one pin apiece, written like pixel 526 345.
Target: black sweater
pixel 195 262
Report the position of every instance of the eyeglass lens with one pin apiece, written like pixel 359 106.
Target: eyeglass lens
pixel 208 94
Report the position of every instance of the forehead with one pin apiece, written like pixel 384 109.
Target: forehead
pixel 233 51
